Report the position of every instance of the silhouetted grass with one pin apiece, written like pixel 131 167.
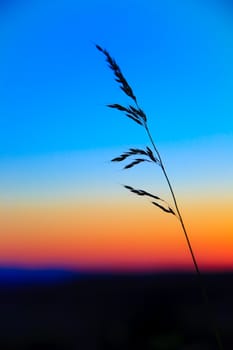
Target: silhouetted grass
pixel 135 113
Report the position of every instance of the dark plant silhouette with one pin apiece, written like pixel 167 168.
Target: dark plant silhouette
pixel 135 113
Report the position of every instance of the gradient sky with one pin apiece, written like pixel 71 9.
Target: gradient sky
pixel 61 200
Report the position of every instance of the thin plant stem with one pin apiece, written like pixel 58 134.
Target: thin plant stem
pixel 199 275
pixel 174 200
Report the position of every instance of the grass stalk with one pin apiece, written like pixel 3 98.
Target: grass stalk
pixel 198 272
pixel 135 113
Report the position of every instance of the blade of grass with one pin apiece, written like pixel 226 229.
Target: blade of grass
pixel 137 114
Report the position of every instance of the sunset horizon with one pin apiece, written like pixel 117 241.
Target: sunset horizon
pixel 62 202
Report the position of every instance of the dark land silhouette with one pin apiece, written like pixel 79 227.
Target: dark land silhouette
pixel 104 311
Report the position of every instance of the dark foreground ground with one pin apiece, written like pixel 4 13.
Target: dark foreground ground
pixel 94 312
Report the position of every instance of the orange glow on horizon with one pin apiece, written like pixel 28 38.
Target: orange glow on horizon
pixel 128 236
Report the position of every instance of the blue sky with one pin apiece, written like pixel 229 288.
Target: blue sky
pixel 55 129
pixel 57 136
pixel 178 58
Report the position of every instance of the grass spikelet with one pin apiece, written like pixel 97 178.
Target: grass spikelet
pixel 117 72
pixel 135 151
pixel 135 162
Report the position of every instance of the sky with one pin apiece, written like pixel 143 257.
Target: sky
pixel 62 203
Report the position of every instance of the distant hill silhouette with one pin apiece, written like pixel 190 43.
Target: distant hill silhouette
pixel 63 310
pixel 14 275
